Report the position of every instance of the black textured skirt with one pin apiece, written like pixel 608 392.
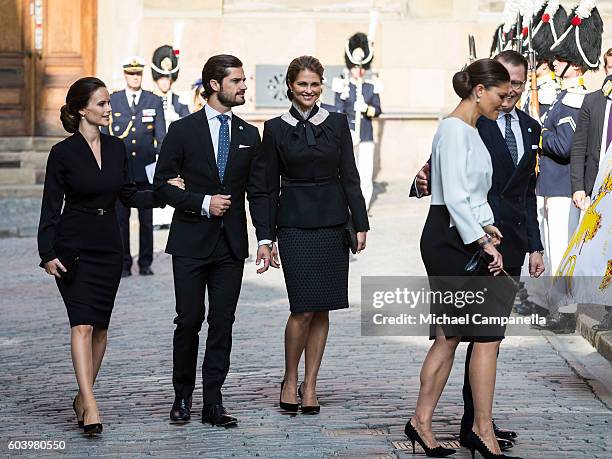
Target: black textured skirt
pixel 90 296
pixel 315 265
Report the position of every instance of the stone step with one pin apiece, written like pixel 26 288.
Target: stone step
pixel 22 176
pixel 42 144
pixel 20 191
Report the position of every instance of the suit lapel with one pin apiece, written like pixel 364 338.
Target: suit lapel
pixel 528 152
pixel 501 150
pixel 599 117
pixel 203 129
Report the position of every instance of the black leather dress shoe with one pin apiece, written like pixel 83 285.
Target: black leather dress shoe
pixel 146 271
pixel 181 410
pixel 217 415
pixel 126 273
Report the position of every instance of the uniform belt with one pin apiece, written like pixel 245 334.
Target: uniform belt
pixel 89 210
pixel 285 181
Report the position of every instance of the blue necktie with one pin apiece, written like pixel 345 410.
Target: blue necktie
pixel 224 145
pixel 511 140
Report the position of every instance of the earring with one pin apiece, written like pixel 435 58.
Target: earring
pixel 477 100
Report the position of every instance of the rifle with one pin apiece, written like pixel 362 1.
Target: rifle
pixel 534 104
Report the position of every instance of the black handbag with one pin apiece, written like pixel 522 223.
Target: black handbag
pixel 351 235
pixel 68 257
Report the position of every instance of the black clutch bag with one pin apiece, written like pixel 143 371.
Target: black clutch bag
pixel 351 235
pixel 68 257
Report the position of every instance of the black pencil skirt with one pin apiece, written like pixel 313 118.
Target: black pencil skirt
pixel 445 257
pixel 315 265
pixel 90 296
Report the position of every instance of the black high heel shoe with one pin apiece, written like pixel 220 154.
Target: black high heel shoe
pixel 438 451
pixel 314 409
pixel 291 407
pixel 92 429
pixel 474 443
pixel 79 422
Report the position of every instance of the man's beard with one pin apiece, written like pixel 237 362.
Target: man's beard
pixel 227 100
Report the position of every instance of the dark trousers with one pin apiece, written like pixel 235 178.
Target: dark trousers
pixel 468 400
pixel 145 239
pixel 221 275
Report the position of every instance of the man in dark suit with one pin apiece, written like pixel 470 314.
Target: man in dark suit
pixel 138 119
pixel 591 142
pixel 512 142
pixel 219 156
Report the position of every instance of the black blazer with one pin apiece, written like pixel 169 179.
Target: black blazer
pixel 512 194
pixel 586 146
pixel 313 174
pixel 73 176
pixel 188 150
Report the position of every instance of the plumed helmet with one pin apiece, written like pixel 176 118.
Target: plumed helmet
pixel 580 42
pixel 549 24
pixel 164 63
pixel 358 52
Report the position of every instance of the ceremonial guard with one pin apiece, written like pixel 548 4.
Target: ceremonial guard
pixel 138 119
pixel 165 70
pixel 547 27
pixel 359 99
pixel 576 51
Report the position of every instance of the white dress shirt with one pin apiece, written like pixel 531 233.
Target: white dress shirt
pixel 461 176
pixel 129 93
pixel 516 129
pixel 214 125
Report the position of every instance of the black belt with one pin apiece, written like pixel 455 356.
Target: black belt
pixel 285 181
pixel 89 210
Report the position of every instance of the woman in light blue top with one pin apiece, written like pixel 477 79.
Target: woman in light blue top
pixel 459 224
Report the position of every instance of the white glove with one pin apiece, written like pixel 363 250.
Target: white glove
pixel 360 106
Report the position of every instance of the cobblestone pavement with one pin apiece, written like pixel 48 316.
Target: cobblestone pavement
pixel 368 386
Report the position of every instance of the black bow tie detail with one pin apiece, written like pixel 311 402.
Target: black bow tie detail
pixel 304 125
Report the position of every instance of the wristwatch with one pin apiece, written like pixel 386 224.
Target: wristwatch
pixel 541 252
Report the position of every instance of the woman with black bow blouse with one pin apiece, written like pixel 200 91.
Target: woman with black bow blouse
pixel 80 244
pixel 314 184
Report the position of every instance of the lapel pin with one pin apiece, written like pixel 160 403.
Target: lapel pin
pixel 528 129
pixel 240 127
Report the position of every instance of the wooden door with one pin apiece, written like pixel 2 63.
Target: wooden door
pixel 45 45
pixel 68 53
pixel 16 68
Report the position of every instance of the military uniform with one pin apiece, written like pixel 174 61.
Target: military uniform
pixel 363 96
pixel 578 42
pixel 165 64
pixel 138 119
pixel 559 217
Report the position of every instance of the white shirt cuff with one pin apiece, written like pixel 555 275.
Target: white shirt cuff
pixel 206 205
pixel 267 242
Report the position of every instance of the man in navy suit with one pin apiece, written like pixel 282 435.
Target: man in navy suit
pixel 512 142
pixel 138 119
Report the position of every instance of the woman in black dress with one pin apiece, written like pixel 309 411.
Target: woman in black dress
pixel 315 182
pixel 80 245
